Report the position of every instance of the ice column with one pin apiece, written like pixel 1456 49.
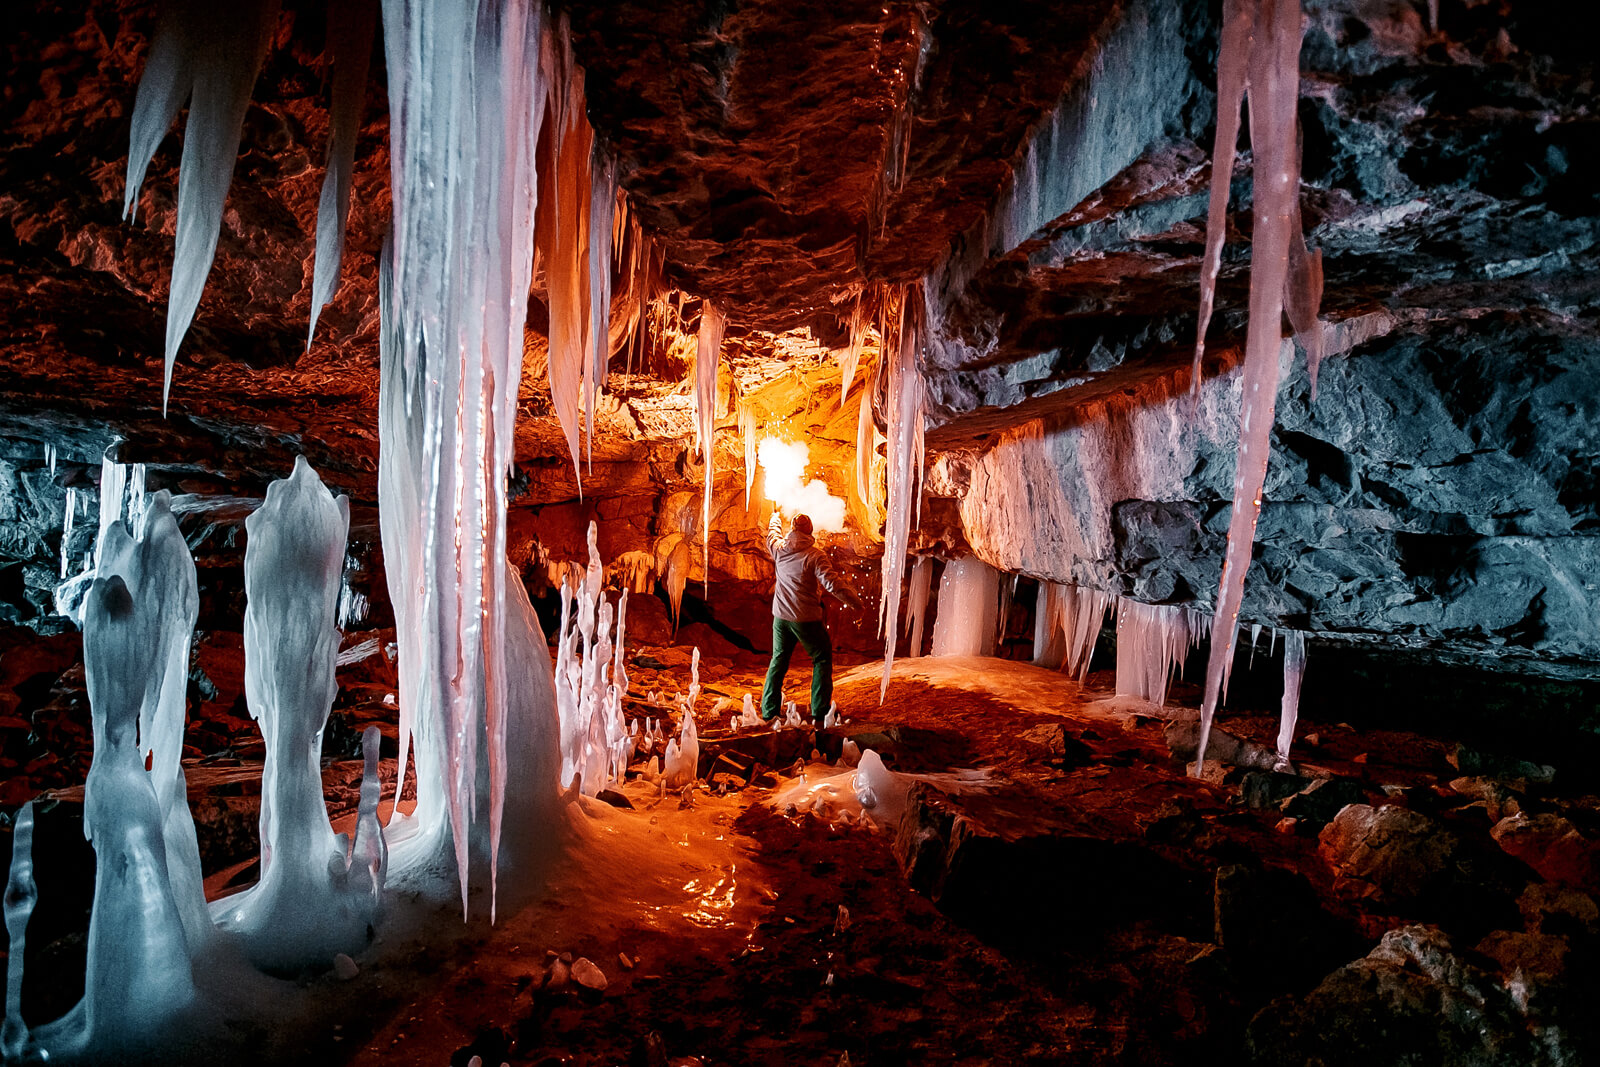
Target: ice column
pixel 21 895
pixel 905 405
pixel 1273 76
pixel 1151 640
pixel 707 352
pixel 351 26
pixel 969 607
pixel 206 54
pixel 1294 670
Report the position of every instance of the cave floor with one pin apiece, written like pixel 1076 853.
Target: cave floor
pixel 1062 905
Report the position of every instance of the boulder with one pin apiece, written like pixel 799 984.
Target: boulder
pixel 1183 740
pixel 1273 928
pixel 1553 847
pixel 1319 802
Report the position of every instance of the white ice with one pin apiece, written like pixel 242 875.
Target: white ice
pixel 1294 670
pixel 1152 639
pixel 969 607
pixel 907 316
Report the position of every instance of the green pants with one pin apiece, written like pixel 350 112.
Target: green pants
pixel 813 637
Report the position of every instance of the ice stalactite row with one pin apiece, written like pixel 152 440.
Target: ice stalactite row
pixel 467 99
pixel 707 355
pixel 969 609
pixel 352 30
pixel 905 320
pixel 917 601
pixel 1294 671
pixel 304 907
pixel 591 678
pixel 897 148
pixel 1152 639
pixel 1260 56
pixel 207 55
pixel 1067 624
pixel 850 357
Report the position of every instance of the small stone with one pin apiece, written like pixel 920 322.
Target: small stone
pixel 624 962
pixel 1361 758
pixel 1286 825
pixel 560 972
pixel 345 967
pixel 566 957
pixel 1212 772
pixel 614 798
pixel 1313 740
pixel 586 974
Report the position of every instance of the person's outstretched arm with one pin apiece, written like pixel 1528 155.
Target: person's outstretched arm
pixel 774 533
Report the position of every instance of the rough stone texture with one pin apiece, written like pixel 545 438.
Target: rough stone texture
pixel 1553 847
pixel 1414 999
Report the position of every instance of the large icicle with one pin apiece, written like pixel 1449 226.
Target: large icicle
pixel 905 402
pixel 747 433
pixel 707 354
pixel 851 356
pixel 351 26
pixel 1067 623
pixel 1274 92
pixel 466 101
pixel 917 601
pixel 206 53
pixel 1294 671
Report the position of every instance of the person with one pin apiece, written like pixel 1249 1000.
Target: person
pixel 803 571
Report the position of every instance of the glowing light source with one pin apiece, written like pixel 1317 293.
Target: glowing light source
pixel 784 464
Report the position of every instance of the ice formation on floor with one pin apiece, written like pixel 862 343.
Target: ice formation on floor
pixel 1260 54
pixel 204 54
pixel 969 608
pixel 1067 624
pixel 352 29
pixel 917 601
pixel 708 353
pixel 1152 639
pixel 1294 670
pixel 305 905
pixel 905 320
pixel 784 465
pixel 591 679
pixel 681 763
pixel 22 893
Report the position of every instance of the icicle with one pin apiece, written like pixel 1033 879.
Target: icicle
pixel 705 416
pixel 905 464
pixel 1274 80
pixel 21 895
pixel 208 54
pixel 917 601
pixel 1294 669
pixel 747 431
pixel 1255 635
pixel 852 353
pixel 466 101
pixel 50 457
pixel 969 596
pixel 66 528
pixel 351 27
pixel 597 345
pixel 1152 639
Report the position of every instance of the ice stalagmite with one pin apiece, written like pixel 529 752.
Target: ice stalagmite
pixel 969 608
pixel 296 915
pixel 159 574
pixel 466 102
pixel 138 972
pixel 1274 91
pixel 707 353
pixel 21 895
pixel 917 601
pixel 905 406
pixel 1294 670
pixel 1152 639
pixel 351 27
pixel 591 680
pixel 207 54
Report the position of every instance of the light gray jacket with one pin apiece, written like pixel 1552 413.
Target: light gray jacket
pixel 803 572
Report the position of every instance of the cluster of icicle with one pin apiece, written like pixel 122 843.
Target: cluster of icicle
pixel 1152 640
pixel 707 354
pixel 1259 57
pixel 904 323
pixel 153 940
pixel 591 678
pixel 1066 624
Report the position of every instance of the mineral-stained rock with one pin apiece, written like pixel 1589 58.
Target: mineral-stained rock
pixel 1412 1000
pixel 1552 846
pixel 1404 862
pixel 1551 908
pixel 1320 801
pixel 1183 738
pixel 1268 789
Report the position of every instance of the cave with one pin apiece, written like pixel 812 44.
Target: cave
pixel 1181 419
